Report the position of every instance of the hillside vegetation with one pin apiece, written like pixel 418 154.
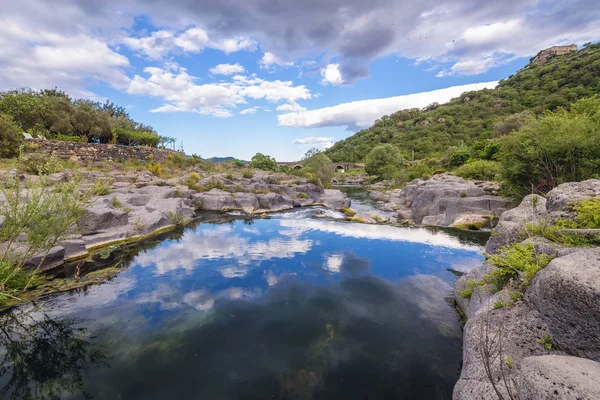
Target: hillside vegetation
pixel 55 115
pixel 535 130
pixel 479 115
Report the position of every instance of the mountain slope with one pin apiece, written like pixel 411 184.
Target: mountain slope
pixel 474 115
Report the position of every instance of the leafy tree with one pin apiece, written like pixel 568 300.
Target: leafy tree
pixel 458 157
pixel 311 152
pixel 383 161
pixel 10 137
pixel 319 166
pixel 262 161
pixel 558 147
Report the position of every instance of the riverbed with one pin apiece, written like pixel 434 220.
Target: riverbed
pixel 290 307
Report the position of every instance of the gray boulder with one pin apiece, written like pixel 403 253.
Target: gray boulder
pixel 171 207
pixel 334 198
pixel 560 197
pixel 274 202
pixel 74 248
pixel 246 201
pixel 215 200
pixel 567 295
pixel 99 217
pixel 54 258
pixel 559 377
pixel 512 222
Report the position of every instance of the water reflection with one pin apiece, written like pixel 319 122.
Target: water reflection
pixel 43 357
pixel 281 308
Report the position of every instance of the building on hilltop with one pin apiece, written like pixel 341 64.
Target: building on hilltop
pixel 543 56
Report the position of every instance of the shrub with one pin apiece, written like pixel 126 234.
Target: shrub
pixel 248 174
pixel 319 165
pixel 11 137
pixel 238 163
pixel 303 196
pixel 383 161
pixel 155 168
pixel 264 162
pixel 458 157
pixel 419 171
pixel 586 215
pixel 135 138
pixel 480 170
pixel 349 212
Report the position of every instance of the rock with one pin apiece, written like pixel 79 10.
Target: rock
pixel 74 248
pixel 471 221
pixel 274 202
pixel 334 198
pixel 246 201
pixel 100 217
pixel 171 206
pixel 481 299
pixel 214 200
pixel 138 200
pixel 560 197
pixel 143 222
pixel 54 258
pixel 559 377
pixel 567 295
pixel 379 196
pixel 512 222
pixel 521 327
pixel 163 192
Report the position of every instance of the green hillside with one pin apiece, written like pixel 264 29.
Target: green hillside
pixel 474 117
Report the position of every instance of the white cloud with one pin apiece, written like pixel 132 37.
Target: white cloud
pixel 332 75
pixel 290 107
pixel 193 40
pixel 183 94
pixel 269 60
pixel 227 69
pixel 360 114
pixel 323 142
pixel 251 110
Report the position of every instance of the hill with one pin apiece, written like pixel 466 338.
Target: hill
pixel 480 115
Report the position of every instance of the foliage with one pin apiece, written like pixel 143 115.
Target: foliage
pixel 471 284
pixel 155 168
pixel 458 157
pixel 558 147
pixel 479 115
pixel 383 161
pixel 546 341
pixel 480 170
pixel 36 219
pixel 10 137
pixel 311 152
pixel 586 215
pixel 248 174
pixel 419 171
pixel 238 163
pixel 264 162
pixel 54 114
pixel 349 212
pixel 319 166
pixel 515 262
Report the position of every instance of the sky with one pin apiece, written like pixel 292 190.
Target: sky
pixel 233 77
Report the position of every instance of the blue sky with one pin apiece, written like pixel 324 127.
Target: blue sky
pixel 234 78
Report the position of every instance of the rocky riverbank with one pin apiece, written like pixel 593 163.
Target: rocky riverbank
pixel 134 206
pixel 544 343
pixel 445 200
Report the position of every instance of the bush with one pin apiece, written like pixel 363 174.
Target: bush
pixel 480 170
pixel 248 174
pixel 419 171
pixel 561 146
pixel 155 168
pixel 264 162
pixel 458 157
pixel 319 166
pixel 11 137
pixel 383 161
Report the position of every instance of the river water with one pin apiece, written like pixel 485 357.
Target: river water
pixel 290 307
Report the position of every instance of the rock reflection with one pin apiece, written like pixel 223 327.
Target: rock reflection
pixel 43 357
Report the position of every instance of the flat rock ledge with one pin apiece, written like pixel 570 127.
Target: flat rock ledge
pixel 561 307
pixel 446 200
pixel 140 206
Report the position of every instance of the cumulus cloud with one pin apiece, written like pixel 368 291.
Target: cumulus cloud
pixel 332 75
pixel 361 114
pixel 183 94
pixel 269 60
pixel 227 69
pixel 290 107
pixel 251 110
pixel 323 142
pixel 193 40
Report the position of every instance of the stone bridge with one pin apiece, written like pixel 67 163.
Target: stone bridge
pixel 339 167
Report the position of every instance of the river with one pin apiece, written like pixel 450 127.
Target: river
pixel 290 307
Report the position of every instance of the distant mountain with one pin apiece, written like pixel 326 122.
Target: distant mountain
pixel 222 159
pixel 555 80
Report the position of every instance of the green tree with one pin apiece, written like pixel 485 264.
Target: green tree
pixel 320 168
pixel 262 161
pixel 311 152
pixel 561 146
pixel 10 137
pixel 383 161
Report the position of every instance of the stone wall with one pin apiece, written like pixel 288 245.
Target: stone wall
pixel 99 152
pixel 543 56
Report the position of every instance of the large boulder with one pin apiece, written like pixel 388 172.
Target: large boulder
pixel 567 295
pixel 214 200
pixel 274 202
pixel 481 298
pixel 572 192
pixel 520 327
pixel 53 258
pixel 100 216
pixel 334 198
pixel 171 207
pixel 512 222
pixel 559 377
